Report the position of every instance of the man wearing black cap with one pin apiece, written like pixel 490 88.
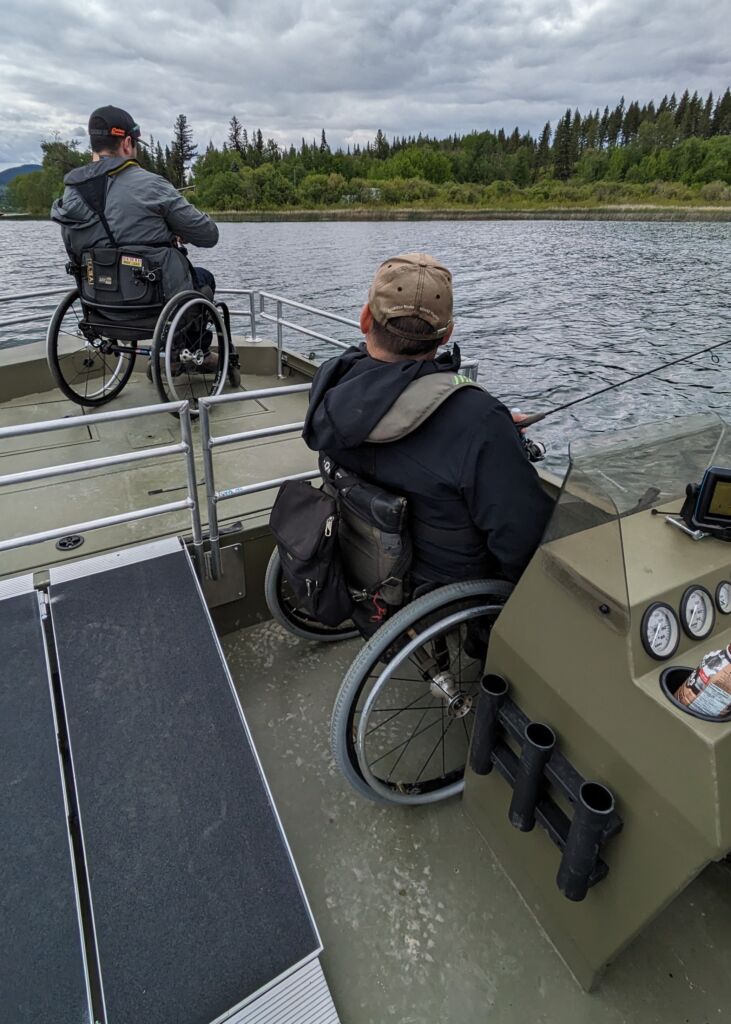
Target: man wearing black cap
pixel 396 413
pixel 113 201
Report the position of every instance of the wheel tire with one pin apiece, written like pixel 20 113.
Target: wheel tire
pixel 294 623
pixel 54 360
pixel 342 722
pixel 163 342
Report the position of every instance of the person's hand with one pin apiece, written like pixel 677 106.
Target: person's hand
pixel 517 417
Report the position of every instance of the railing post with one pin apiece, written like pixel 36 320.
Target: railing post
pixel 210 491
pixel 186 435
pixel 252 311
pixel 279 339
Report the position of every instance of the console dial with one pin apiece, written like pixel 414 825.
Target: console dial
pixel 697 612
pixel 659 631
pixel 723 597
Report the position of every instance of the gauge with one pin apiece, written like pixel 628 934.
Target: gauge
pixel 723 597
pixel 697 612
pixel 660 631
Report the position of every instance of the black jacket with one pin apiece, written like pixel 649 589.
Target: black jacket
pixel 463 470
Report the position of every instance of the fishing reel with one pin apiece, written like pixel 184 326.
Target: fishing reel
pixel 535 450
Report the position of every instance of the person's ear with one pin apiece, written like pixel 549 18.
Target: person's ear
pixel 128 146
pixel 366 319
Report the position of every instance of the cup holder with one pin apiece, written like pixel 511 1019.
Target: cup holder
pixel 671 680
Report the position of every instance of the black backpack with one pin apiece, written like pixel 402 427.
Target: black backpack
pixel 345 548
pixel 305 523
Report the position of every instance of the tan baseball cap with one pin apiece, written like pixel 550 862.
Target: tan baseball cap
pixel 412 284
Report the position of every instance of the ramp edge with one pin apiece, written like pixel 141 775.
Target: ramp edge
pixel 113 560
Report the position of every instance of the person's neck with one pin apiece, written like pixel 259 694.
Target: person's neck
pixel 375 351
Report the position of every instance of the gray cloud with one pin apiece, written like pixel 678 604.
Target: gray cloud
pixel 293 67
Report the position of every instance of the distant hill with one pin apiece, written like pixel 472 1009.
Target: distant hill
pixel 7 175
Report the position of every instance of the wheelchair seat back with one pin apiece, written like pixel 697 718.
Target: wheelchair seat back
pixel 121 291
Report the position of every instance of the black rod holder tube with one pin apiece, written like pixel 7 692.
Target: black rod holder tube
pixel 592 810
pixel 486 730
pixel 538 743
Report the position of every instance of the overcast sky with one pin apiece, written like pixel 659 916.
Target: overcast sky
pixel 293 67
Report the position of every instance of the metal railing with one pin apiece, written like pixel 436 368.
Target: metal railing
pixel 184 447
pixel 257 309
pixel 209 443
pixel 250 313
pixel 281 323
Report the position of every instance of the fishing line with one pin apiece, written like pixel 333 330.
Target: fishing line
pixel 538 416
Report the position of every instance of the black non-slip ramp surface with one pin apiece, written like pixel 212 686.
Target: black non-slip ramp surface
pixel 42 975
pixel 196 903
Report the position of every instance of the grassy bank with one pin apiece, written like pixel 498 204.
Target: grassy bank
pixel 621 212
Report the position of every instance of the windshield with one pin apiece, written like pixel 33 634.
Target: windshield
pixel 602 540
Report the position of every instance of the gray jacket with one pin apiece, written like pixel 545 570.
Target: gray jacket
pixel 141 208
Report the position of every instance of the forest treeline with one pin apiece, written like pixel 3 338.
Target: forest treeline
pixel 676 151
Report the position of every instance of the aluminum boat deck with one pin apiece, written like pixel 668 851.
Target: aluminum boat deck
pixel 419 922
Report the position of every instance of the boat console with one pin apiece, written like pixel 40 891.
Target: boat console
pixel 616 609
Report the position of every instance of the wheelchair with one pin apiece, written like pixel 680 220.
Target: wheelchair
pixel 118 311
pixel 403 717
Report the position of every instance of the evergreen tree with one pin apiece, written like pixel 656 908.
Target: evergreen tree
pixel 381 146
pixel 562 148
pixel 543 154
pixel 721 123
pixel 324 148
pixel 235 138
pixel 603 130
pixel 614 124
pixel 706 117
pixel 681 112
pixel 183 150
pixel 160 166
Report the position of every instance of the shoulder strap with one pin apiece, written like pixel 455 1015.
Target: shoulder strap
pixel 94 194
pixel 416 403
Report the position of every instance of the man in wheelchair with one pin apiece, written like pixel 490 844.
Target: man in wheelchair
pixel 397 414
pixel 397 421
pixel 124 227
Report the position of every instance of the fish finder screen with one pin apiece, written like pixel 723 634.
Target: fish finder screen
pixel 720 503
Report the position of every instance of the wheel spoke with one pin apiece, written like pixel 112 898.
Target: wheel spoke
pixel 399 710
pixel 445 730
pixel 405 742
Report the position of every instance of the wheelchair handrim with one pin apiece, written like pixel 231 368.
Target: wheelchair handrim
pixel 223 352
pixel 442 626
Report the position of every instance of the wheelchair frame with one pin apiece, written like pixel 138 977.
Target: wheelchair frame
pixel 172 360
pixel 426 640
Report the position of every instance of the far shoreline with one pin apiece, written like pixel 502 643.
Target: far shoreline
pixel 610 212
pixel 623 212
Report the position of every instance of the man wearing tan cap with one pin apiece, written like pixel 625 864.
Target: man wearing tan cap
pixel 396 413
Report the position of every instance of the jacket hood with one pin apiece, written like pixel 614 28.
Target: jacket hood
pixel 96 169
pixel 71 211
pixel 353 392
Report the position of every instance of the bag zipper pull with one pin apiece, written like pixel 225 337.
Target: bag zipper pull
pixel 329 526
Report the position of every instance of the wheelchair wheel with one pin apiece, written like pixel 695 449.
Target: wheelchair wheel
pixel 403 717
pixel 190 350
pixel 283 606
pixel 88 368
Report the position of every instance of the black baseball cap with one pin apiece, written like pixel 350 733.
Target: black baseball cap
pixel 113 122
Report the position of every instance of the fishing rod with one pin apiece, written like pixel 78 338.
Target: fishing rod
pixel 538 416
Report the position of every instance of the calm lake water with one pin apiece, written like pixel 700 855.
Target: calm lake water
pixel 551 309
